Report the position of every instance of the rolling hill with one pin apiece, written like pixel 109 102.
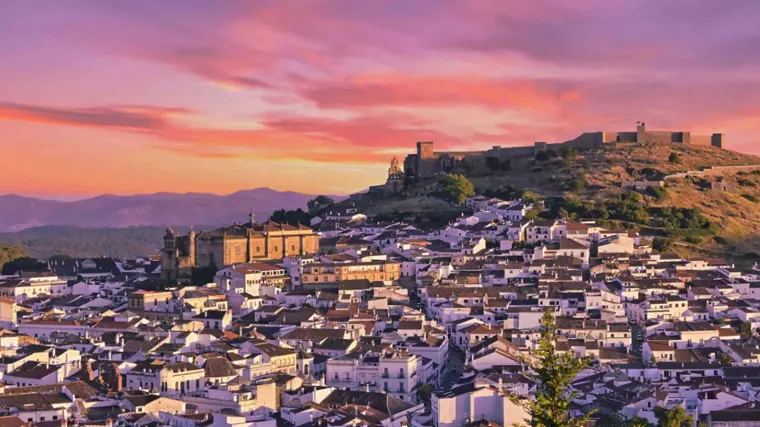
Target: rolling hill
pixel 159 209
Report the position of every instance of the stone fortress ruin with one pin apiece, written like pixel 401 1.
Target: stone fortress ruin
pixel 426 161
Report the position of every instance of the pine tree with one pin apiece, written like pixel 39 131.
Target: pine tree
pixel 554 374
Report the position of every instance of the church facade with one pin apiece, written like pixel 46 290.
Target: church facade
pixel 237 243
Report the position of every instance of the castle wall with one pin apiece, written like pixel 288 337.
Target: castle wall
pixel 586 140
pixel 715 171
pixel 511 152
pixel 427 162
pixel 410 164
pixel 660 137
pixel 428 166
pixel 703 140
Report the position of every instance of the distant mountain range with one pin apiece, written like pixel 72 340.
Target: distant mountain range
pixel 18 212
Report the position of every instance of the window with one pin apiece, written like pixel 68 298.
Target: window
pixel 292 247
pixel 276 248
pixel 336 376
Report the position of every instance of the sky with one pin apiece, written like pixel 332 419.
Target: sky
pixel 316 96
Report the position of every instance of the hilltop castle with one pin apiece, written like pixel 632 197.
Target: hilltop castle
pixel 426 161
pixel 237 243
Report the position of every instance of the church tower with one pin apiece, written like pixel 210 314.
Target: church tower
pixel 169 261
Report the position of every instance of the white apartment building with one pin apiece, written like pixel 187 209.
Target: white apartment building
pixel 396 373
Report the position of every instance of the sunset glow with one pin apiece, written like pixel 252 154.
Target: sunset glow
pixel 109 96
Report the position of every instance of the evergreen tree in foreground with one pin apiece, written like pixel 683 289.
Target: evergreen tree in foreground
pixel 554 374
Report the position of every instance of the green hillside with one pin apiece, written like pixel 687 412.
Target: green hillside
pixel 693 214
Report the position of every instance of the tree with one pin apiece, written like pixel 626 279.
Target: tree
pixel 578 184
pixel 662 244
pixel 532 214
pixel 725 360
pixel 529 197
pixel 747 329
pixel 23 264
pixel 674 158
pixel 617 420
pixel 554 373
pixel 425 392
pixel 569 153
pixel 675 417
pixel 638 421
pixel 457 188
pixel 542 156
pixel 9 253
pixel 319 204
pixel 298 216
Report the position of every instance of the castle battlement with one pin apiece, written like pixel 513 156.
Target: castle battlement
pixel 427 161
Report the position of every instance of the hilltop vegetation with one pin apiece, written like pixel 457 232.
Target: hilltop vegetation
pixel 713 216
pixel 43 242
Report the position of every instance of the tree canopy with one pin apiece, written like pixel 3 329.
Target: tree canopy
pixel 294 217
pixel 23 263
pixel 319 205
pixel 457 188
pixel 674 417
pixel 9 253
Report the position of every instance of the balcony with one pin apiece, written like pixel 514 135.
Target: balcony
pixel 385 375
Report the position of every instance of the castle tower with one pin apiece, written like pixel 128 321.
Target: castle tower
pixel 425 150
pixel 717 139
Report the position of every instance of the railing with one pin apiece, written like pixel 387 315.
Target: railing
pixel 385 375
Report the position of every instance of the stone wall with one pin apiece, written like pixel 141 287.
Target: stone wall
pixel 715 171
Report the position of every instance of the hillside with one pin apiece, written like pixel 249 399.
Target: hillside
pixel 731 205
pixel 130 242
pixel 18 213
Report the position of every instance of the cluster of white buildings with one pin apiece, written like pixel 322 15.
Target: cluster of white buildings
pixel 389 325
